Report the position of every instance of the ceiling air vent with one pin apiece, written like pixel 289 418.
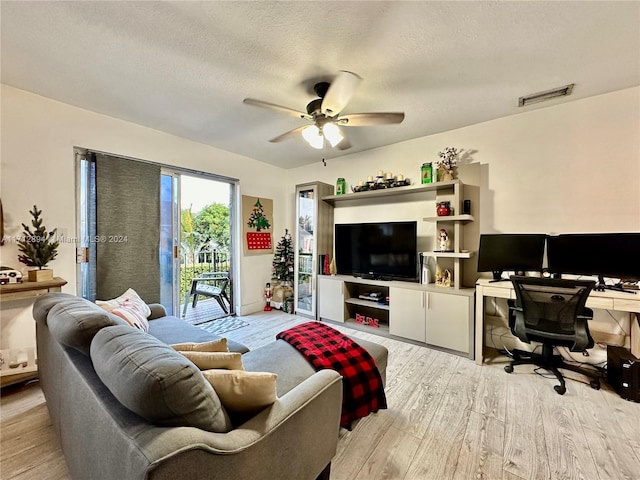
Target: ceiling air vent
pixel 546 95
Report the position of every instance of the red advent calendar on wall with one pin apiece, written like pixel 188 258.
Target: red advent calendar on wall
pixel 258 241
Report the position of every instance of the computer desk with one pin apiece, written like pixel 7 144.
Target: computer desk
pixel 607 300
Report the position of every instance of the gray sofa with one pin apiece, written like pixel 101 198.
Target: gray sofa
pixel 295 438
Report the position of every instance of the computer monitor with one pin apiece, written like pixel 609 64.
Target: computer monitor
pixel 519 252
pixel 612 255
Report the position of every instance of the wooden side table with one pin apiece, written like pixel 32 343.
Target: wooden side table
pixel 11 373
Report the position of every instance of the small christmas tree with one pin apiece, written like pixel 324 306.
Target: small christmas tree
pixel 37 247
pixel 283 259
pixel 257 219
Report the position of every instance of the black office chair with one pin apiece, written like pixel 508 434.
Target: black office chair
pixel 553 312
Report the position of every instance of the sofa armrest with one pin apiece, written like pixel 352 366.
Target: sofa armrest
pixel 157 311
pixel 296 437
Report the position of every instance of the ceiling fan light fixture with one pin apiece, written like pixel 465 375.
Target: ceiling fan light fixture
pixel 313 136
pixel 332 133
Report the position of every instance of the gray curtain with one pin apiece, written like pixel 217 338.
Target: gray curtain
pixel 127 228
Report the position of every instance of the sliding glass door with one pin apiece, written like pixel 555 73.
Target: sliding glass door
pixel 155 229
pixel 169 241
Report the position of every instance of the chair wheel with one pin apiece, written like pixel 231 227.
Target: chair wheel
pixel 595 384
pixel 508 368
pixel 560 389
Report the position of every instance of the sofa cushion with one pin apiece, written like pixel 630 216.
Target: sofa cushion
pixel 292 368
pixel 154 381
pixel 172 330
pixel 208 360
pixel 74 321
pixel 218 345
pixel 243 392
pixel 44 303
pixel 130 307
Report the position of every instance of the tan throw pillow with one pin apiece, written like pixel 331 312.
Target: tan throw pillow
pixel 130 307
pixel 241 391
pixel 208 360
pixel 219 345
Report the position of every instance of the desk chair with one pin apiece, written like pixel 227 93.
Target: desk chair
pixel 212 284
pixel 553 312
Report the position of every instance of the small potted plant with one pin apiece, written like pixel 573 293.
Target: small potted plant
pixel 38 247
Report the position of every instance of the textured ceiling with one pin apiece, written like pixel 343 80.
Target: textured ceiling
pixel 185 67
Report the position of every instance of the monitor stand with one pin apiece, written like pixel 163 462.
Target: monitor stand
pixel 497 277
pixel 601 287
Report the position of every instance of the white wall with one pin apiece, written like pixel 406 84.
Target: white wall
pixel 573 167
pixel 37 167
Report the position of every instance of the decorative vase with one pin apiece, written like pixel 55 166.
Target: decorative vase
pixel 444 174
pixel 443 209
pixel 40 275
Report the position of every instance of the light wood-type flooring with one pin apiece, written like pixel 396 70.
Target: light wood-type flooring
pixel 447 419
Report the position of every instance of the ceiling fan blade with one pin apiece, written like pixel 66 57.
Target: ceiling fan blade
pixel 340 92
pixel 366 119
pixel 276 108
pixel 289 134
pixel 345 144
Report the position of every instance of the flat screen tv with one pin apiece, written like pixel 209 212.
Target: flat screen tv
pixel 518 252
pixel 380 250
pixel 611 255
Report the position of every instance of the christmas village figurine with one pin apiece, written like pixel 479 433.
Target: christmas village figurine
pixel 268 294
pixel 443 278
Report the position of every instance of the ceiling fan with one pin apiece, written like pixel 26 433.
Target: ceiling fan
pixel 325 113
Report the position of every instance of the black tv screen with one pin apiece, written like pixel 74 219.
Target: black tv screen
pixel 612 255
pixel 520 252
pixel 384 250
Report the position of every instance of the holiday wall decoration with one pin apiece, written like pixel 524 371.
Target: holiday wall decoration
pixel 257 215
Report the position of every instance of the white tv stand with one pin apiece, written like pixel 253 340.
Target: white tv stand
pixel 426 314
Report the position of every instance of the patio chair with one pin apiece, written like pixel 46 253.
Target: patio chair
pixel 212 284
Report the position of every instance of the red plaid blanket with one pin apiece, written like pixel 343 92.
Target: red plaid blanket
pixel 325 347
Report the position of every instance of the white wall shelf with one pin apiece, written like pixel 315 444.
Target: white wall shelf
pixel 450 218
pixel 385 193
pixel 448 254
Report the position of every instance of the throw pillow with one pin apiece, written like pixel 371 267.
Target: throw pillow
pixel 208 360
pixel 130 307
pixel 133 315
pixel 241 391
pixel 219 345
pixel 154 381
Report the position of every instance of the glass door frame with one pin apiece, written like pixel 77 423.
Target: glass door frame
pixel 174 246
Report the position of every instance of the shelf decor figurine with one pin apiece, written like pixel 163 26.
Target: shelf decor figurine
pixel 447 163
pixel 443 209
pixel 443 279
pixel 443 240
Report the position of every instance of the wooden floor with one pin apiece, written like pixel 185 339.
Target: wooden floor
pixel 447 419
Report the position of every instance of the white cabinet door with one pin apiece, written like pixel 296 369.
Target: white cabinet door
pixel 407 313
pixel 331 299
pixel 449 321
